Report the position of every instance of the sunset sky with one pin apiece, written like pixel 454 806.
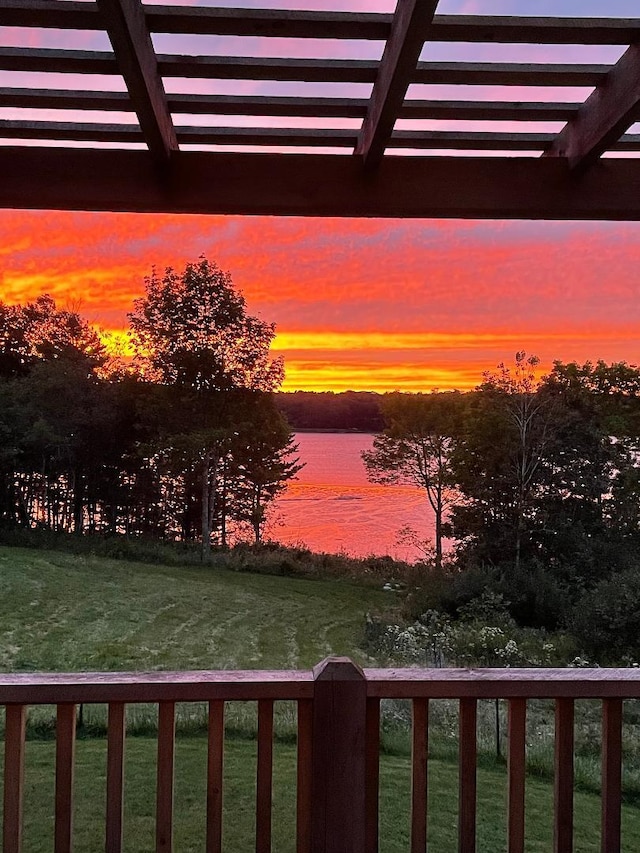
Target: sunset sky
pixel 361 304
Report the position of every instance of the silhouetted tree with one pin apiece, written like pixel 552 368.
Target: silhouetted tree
pixel 192 332
pixel 416 448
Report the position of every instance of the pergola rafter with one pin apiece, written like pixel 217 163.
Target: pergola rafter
pixel 138 64
pixel 395 72
pixel 605 116
pixel 181 103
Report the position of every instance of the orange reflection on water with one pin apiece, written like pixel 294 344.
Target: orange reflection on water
pixel 332 507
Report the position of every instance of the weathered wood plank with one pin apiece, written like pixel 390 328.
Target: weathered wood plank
pixel 407 683
pixel 190 686
pixel 289 137
pixel 419 755
pixel 115 777
pixel 372 770
pixel 563 780
pixel 288 23
pixel 44 13
pixel 267 68
pixel 137 62
pixel 517 773
pixel 304 801
pixel 295 23
pixel 65 758
pixel 339 757
pixel 165 777
pixel 604 116
pixel 467 776
pixel 272 184
pixel 14 739
pixel 510 74
pixel 524 29
pixel 55 60
pixel 262 105
pixel 258 23
pixel 611 775
pixel 395 72
pixel 64 99
pixel 264 776
pixel 309 70
pixel 215 766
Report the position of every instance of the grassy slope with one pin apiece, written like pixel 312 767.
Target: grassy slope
pixel 63 612
pixel 60 612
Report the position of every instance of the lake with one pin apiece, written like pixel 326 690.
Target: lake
pixel 332 506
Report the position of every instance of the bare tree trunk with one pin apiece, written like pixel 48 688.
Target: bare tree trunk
pixel 438 531
pixel 205 552
pixel 209 475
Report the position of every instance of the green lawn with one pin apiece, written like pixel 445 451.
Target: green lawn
pixel 63 612
pixel 239 802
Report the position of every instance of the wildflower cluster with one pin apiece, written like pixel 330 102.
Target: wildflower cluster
pixel 434 640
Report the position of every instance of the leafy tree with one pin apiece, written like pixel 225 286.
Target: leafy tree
pixel 416 448
pixel 262 462
pixel 528 417
pixel 592 461
pixel 193 330
pixel 48 361
pixel 192 335
pixel 39 331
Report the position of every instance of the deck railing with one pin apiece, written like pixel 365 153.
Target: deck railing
pixel 338 747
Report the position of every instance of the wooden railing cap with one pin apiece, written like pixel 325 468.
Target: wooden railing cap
pixel 336 668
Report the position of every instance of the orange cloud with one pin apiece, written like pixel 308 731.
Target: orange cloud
pixel 358 303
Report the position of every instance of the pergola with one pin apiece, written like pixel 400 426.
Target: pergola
pixel 378 170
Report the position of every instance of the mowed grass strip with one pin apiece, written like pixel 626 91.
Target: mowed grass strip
pixel 61 612
pixel 239 802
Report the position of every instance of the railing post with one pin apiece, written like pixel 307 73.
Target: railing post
pixel 339 757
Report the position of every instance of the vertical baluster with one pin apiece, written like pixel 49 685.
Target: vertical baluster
pixel 65 755
pixel 215 764
pixel 517 766
pixel 264 776
pixel 164 789
pixel 419 750
pixel 115 776
pixel 467 776
pixel 372 770
pixel 15 724
pixel 563 794
pixel 305 744
pixel 611 774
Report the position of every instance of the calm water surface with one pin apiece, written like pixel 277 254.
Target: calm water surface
pixel 332 507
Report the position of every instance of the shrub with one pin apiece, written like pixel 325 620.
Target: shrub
pixel 606 620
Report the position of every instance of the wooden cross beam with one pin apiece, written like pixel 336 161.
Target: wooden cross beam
pixel 604 116
pixel 132 45
pixel 397 67
pixel 54 178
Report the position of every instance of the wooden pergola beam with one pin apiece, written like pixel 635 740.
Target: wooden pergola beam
pixel 318 185
pixel 291 137
pixel 131 42
pixel 395 72
pixel 265 105
pixel 604 116
pixel 298 23
pixel 49 60
pixel 521 29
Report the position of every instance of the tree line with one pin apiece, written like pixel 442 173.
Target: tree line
pixel 357 411
pixel 183 442
pixel 536 485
